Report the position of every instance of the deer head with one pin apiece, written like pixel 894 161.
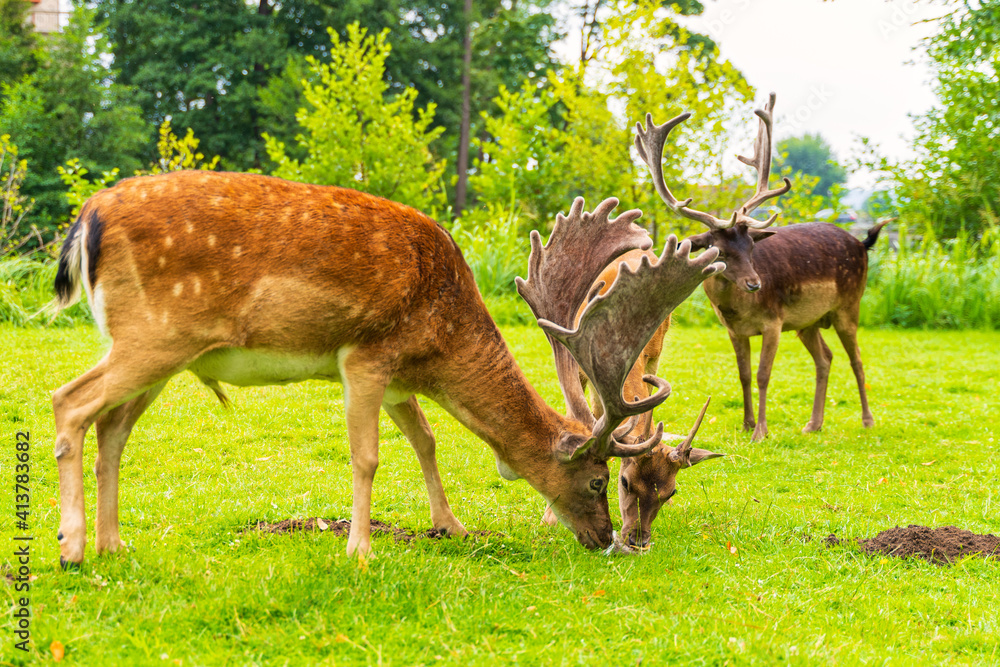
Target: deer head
pixel 647 482
pixel 734 238
pixel 612 330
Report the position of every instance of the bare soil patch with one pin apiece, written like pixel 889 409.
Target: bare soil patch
pixel 341 527
pixel 942 545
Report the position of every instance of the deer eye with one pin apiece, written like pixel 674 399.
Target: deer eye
pixel 597 484
pixel 625 484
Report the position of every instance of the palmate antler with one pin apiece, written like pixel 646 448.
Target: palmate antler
pixel 649 142
pixel 615 326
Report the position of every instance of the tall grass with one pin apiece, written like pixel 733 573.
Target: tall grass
pixel 26 287
pixel 953 284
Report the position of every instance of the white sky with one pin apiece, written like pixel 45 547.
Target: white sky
pixel 844 69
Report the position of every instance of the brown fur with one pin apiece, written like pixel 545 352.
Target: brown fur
pixel 648 481
pixel 808 276
pixel 201 270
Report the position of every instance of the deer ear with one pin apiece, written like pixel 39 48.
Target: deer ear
pixel 700 241
pixel 761 234
pixel 698 455
pixel 571 446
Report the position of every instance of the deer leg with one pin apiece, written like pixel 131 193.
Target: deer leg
pixel 364 388
pixel 768 348
pixel 113 429
pixel 848 333
pixel 119 377
pixel 822 357
pixel 413 423
pixel 741 345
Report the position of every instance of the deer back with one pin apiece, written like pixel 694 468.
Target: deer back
pixel 807 271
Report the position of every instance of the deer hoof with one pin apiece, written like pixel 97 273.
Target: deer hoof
pixel 748 426
pixel 812 428
pixel 759 433
pixel 868 422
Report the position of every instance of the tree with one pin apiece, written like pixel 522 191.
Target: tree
pixel 230 69
pixel 353 136
pixel 201 65
pixel 810 154
pixel 954 181
pixel 18 43
pixel 71 106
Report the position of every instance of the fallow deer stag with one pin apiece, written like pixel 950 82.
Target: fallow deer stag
pixel 803 277
pixel 654 473
pixel 252 280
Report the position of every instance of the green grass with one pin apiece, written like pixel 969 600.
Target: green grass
pixel 195 591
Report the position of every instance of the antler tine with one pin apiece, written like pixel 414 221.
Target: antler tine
pixel 761 161
pixel 649 143
pixel 562 272
pixel 616 326
pixel 682 451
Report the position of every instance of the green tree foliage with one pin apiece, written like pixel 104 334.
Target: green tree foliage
pixel 810 154
pixel 18 43
pixel 954 182
pixel 69 107
pixel 231 69
pixel 571 138
pixel 201 65
pixel 352 135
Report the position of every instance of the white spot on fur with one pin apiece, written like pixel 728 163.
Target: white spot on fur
pixel 163 318
pixel 97 308
pixel 237 251
pixel 169 241
pixel 215 275
pixel 189 228
pixel 178 288
pixel 162 261
pixel 211 240
pixel 197 285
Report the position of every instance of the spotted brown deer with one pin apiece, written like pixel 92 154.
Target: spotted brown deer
pixel 803 277
pixel 252 280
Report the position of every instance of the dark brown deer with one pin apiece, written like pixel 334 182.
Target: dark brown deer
pixel 252 280
pixel 802 278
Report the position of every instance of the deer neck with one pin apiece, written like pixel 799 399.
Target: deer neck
pixel 485 390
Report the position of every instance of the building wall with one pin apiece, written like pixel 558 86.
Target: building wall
pixel 45 15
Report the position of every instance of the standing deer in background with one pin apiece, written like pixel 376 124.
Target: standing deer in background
pixel 664 461
pixel 802 278
pixel 253 280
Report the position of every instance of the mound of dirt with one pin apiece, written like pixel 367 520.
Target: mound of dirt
pixel 340 528
pixel 937 545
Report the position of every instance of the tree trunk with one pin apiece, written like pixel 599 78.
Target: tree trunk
pixel 463 136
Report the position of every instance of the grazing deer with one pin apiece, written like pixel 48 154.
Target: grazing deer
pixel 253 280
pixel 655 471
pixel 802 278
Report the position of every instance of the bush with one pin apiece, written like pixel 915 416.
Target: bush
pixel 953 284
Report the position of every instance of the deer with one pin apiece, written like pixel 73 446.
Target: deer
pixel 663 461
pixel 802 277
pixel 247 279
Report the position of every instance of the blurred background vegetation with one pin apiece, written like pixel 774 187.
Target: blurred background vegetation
pixel 462 109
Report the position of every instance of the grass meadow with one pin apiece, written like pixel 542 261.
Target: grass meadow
pixel 738 573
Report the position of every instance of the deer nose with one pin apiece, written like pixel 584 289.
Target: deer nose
pixel 637 541
pixel 752 287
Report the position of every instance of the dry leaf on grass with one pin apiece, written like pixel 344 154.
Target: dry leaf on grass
pixel 58 650
pixel 732 549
